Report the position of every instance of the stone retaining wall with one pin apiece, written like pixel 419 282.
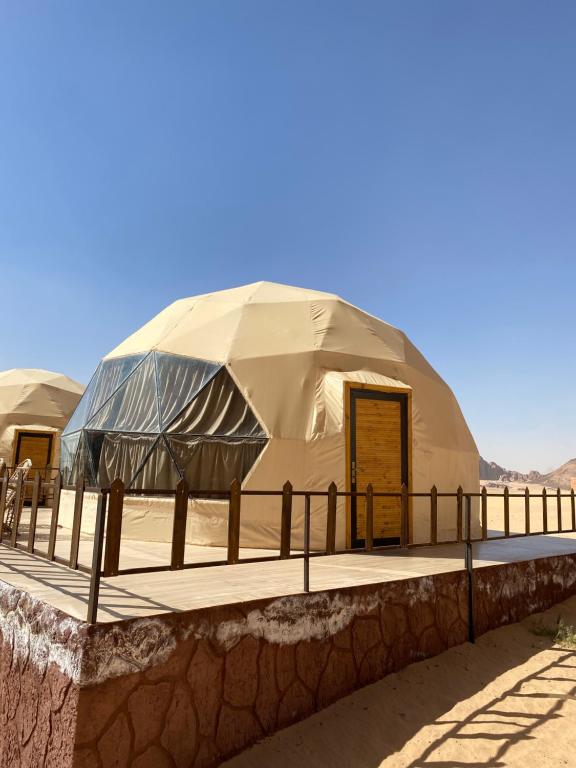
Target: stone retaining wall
pixel 188 690
pixel 39 652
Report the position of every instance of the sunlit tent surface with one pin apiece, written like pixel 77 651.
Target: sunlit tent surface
pixel 34 401
pixel 251 383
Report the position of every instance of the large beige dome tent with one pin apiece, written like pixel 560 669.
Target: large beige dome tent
pixel 269 383
pixel 35 405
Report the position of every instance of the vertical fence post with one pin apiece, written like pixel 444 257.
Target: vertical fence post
pixel 179 526
pixel 484 513
pixel 526 510
pixel 469 561
pixel 18 501
pixel 459 495
pixel 573 509
pixel 286 521
pixel 54 516
pixel 3 492
pixel 404 518
pixel 114 528
pixel 307 543
pixel 559 509
pixel 544 511
pixel 234 523
pixel 434 515
pixel 506 511
pixel 77 520
pixel 331 520
pixel 34 512
pixel 96 570
pixel 369 517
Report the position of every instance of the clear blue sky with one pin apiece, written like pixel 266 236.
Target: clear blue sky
pixel 417 158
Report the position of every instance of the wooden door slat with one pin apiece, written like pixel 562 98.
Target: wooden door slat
pixel 378 439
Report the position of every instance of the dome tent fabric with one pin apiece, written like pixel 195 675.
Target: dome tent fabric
pixel 34 400
pixel 283 356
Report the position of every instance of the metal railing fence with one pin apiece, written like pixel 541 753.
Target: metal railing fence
pixel 107 538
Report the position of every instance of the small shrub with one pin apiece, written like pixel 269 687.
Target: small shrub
pixel 562 634
pixel 566 635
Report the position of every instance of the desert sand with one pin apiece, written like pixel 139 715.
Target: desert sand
pixel 517 516
pixel 508 700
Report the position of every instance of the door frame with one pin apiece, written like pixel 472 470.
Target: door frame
pixel 404 395
pixel 20 433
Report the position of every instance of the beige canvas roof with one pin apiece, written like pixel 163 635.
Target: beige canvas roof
pixel 290 350
pixel 280 341
pixel 34 399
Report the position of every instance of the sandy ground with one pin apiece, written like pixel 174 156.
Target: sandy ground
pixel 509 700
pixel 517 512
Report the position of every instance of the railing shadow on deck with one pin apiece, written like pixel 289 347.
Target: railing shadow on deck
pixel 76 584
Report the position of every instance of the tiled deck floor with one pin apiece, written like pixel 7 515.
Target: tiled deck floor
pixel 148 594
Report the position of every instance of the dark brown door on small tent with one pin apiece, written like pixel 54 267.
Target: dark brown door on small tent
pixel 379 454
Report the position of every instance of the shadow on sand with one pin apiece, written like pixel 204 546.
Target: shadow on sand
pixel 467 708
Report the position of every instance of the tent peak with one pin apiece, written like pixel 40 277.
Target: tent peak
pixel 19 376
pixel 265 291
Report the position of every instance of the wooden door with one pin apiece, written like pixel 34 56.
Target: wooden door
pixel 36 446
pixel 378 455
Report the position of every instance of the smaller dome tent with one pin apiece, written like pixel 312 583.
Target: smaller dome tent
pixel 35 405
pixel 269 383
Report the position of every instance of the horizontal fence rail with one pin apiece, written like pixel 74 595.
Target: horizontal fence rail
pixel 18 491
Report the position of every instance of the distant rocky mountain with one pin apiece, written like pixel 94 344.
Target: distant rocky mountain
pixel 489 470
pixel 561 477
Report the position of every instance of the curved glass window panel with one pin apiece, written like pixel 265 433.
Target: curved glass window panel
pixel 158 471
pixel 211 465
pixel 212 435
pixel 219 409
pixel 83 463
pixel 179 380
pixel 134 407
pixel 94 442
pixel 107 378
pixel 68 447
pixel 112 373
pixel 122 456
pixel 80 415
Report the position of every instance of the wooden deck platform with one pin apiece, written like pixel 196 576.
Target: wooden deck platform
pixel 145 595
